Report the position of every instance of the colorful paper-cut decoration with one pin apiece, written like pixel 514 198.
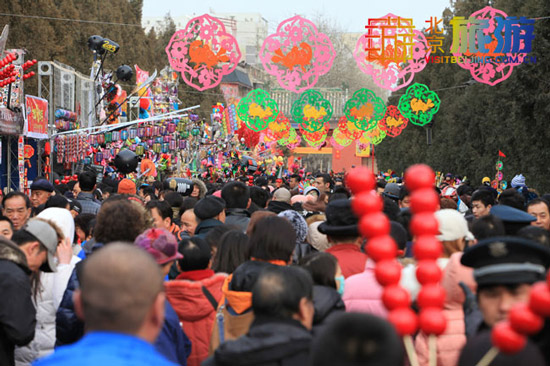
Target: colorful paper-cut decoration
pixel 203 52
pixel 391 51
pixel 393 122
pixel 339 140
pixel 500 165
pixel 251 137
pixel 297 54
pixel 292 141
pixel 257 110
pixel 374 136
pixel 362 150
pixel 348 129
pixel 485 23
pixel 364 109
pixel 279 129
pixel 419 104
pixel 312 111
pixel 317 138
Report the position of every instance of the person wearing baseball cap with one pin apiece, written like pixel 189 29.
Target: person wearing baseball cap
pixel 38 240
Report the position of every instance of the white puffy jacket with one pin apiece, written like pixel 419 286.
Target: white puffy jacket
pixel 52 287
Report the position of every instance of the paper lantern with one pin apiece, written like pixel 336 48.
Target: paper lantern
pixel 365 109
pixel 419 104
pixel 297 54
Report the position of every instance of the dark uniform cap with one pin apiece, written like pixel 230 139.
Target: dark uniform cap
pixel 209 207
pixel 392 190
pixel 507 260
pixel 512 218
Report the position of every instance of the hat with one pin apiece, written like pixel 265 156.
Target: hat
pixel 341 221
pixel 316 239
pixel 518 181
pixel 512 218
pixel 486 180
pixel 311 188
pixel 126 186
pixel 160 243
pixel 298 222
pixel 46 235
pixel 75 206
pixel 507 260
pixel 282 195
pixel 452 225
pixel 392 190
pixel 42 185
pixel 209 207
pixel 62 218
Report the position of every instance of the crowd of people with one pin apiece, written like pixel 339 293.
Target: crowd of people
pixel 270 271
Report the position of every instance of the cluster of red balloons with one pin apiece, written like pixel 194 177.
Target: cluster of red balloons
pixel 10 57
pixel 420 180
pixel 382 249
pixel 66 179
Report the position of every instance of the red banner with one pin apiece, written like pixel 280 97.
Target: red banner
pixel 36 123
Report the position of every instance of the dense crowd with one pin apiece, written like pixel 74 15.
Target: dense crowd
pixel 269 271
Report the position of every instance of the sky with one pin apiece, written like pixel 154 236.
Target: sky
pixel 349 15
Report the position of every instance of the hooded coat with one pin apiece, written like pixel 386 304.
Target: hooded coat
pixel 195 311
pixel 17 312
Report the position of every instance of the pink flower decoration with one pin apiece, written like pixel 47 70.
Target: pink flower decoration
pixel 297 54
pixel 392 75
pixel 491 72
pixel 203 52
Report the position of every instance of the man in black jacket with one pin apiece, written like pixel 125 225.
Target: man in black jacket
pixel 17 312
pixel 280 333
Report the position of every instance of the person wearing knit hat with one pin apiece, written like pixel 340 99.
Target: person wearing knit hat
pixel 300 226
pixel 280 201
pixel 161 244
pixel 518 181
pixel 211 212
pixel 126 186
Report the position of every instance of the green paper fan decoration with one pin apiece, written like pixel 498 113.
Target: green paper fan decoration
pixel 311 111
pixel 365 109
pixel 419 104
pixel 257 110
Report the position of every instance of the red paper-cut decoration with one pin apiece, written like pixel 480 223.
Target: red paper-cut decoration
pixel 393 122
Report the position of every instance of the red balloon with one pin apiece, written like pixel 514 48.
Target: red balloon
pixel 67 177
pixel 395 296
pixel 523 320
pixel 404 320
pixel 56 181
pixel 427 247
pixel 360 179
pixel 388 272
pixel 75 177
pixel 64 181
pixel 431 295
pixel 539 299
pixel 424 223
pixel 374 224
pixel 427 271
pixel 432 321
pixel 367 202
pixel 144 103
pixel 506 339
pixel 381 247
pixel 424 200
pixel 419 176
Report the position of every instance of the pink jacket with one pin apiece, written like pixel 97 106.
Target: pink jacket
pixel 363 294
pixel 451 342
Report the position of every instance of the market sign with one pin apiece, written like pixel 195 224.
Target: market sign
pixel 11 122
